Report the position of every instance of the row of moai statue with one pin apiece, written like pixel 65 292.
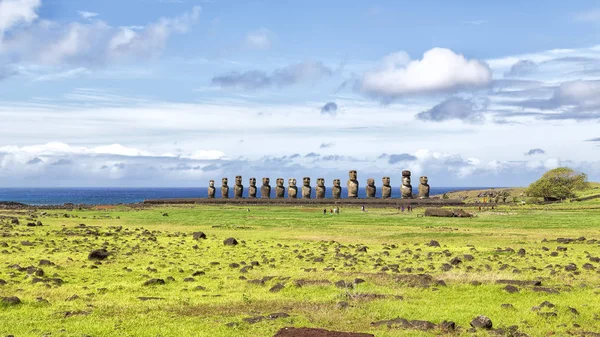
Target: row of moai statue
pixel 306 190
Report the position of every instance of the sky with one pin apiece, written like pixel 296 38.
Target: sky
pixel 174 93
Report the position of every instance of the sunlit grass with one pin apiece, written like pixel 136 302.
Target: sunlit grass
pixel 286 242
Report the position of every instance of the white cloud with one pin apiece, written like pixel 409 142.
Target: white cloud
pixel 87 15
pixel 584 94
pixel 259 39
pixel 15 12
pixel 439 70
pixel 92 43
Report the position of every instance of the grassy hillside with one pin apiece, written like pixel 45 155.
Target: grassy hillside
pixel 516 194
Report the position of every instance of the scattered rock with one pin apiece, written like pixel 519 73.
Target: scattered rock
pixel 520 282
pixel 481 322
pixel 72 298
pixel 547 304
pixel 98 254
pixel 314 332
pixel 12 300
pixel 511 289
pixel 253 320
pixel 154 281
pixel 230 242
pixel 276 288
pixel 145 298
pixel 455 261
pixel 278 315
pixel 199 235
pixel 433 243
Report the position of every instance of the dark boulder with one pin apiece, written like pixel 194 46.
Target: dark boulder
pixel 230 242
pixel 98 254
pixel 433 243
pixel 12 300
pixel 199 235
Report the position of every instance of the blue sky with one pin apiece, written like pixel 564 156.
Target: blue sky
pixel 178 92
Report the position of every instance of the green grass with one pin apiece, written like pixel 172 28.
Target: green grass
pixel 285 241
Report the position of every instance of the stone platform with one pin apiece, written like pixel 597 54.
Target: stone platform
pixel 310 202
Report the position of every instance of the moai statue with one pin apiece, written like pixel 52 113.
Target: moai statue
pixel 336 191
pixel 252 189
pixel 238 189
pixel 306 189
pixel 224 189
pixel 265 189
pixel 321 188
pixel 352 184
pixel 279 189
pixel 370 189
pixel 292 189
pixel 386 189
pixel 406 187
pixel 424 188
pixel 211 189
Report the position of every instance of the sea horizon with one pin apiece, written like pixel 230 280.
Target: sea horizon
pixel 131 195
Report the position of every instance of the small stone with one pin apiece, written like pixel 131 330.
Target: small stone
pixel 154 281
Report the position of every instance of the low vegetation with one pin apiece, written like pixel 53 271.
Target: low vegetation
pixel 558 184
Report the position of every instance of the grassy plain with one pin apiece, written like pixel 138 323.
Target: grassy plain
pixel 306 253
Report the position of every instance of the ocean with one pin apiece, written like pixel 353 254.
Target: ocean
pixel 106 196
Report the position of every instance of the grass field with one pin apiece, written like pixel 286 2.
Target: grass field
pixel 289 262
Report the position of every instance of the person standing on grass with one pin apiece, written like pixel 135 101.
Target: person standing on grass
pixel 324 211
pixel 402 208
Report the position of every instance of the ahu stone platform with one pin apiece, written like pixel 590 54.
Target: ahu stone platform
pixel 310 202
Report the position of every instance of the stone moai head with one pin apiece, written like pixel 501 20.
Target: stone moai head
pixel 252 181
pixel 306 181
pixel 424 180
pixel 224 181
pixel 292 182
pixel 280 182
pixel 385 181
pixel 211 183
pixel 337 183
pixel 321 182
pixel 353 175
pixel 266 181
pixel 371 182
pixel 406 178
pixel 238 180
